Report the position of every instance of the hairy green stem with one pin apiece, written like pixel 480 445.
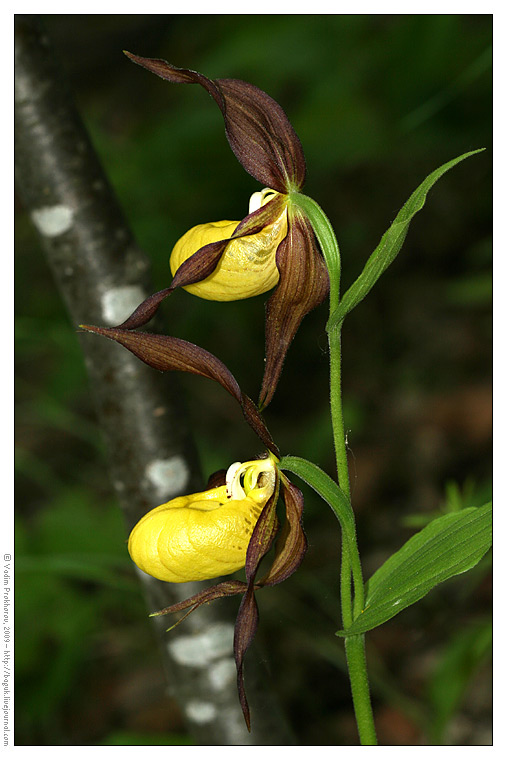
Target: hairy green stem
pixel 354 645
pixel 335 353
pixel 358 674
pixel 341 466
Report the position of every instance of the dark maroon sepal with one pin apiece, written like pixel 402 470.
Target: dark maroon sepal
pixel 257 128
pixel 200 265
pixel 290 550
pixel 261 136
pixel 303 285
pixel 248 615
pixel 146 310
pixel 225 588
pixel 291 543
pixel 244 633
pixel 166 354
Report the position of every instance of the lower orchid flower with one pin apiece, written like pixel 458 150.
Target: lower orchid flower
pixel 231 525
pixel 204 535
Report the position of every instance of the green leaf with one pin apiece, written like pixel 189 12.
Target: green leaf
pixel 390 244
pixel 449 545
pixel 326 488
pixel 331 493
pixel 327 241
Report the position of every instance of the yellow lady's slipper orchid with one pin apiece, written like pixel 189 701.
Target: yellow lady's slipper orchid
pixel 248 264
pixel 208 534
pixel 204 535
pixel 273 247
pixel 224 528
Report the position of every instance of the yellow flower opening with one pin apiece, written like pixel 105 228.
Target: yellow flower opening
pixel 247 266
pixel 204 535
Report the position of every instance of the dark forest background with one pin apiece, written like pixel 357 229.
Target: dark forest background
pixel 378 102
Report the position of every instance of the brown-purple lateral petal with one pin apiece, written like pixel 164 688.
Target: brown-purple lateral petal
pixel 200 265
pixel 248 615
pixel 226 588
pixel 167 354
pixel 262 536
pixel 303 285
pixel 196 268
pixel 291 544
pixel 244 632
pixel 258 130
pixel 204 261
pixel 146 310
pixel 261 217
pixel 254 419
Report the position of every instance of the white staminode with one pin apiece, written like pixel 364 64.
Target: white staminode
pixel 260 199
pixel 251 473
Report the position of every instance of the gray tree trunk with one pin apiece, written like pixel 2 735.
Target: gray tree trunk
pixel 102 276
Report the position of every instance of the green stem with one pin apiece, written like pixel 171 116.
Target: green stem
pixel 354 645
pixel 335 359
pixel 334 338
pixel 358 674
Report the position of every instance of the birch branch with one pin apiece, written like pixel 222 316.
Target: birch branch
pixel 102 276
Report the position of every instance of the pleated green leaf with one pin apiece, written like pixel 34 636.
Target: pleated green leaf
pixel 448 546
pixel 390 244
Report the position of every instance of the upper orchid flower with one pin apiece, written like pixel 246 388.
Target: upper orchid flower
pixel 274 245
pixel 232 524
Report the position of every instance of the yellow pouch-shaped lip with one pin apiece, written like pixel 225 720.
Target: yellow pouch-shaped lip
pixel 246 268
pixel 193 538
pixel 203 535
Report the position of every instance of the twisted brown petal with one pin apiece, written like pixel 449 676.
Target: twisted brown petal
pixel 261 217
pixel 204 261
pixel 258 130
pixel 146 310
pixel 263 535
pixel 290 550
pixel 248 615
pixel 226 588
pixel 303 285
pixel 244 633
pixel 166 354
pixel 291 544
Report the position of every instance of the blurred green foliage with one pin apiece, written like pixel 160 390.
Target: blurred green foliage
pixel 129 738
pixel 378 101
pixel 466 650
